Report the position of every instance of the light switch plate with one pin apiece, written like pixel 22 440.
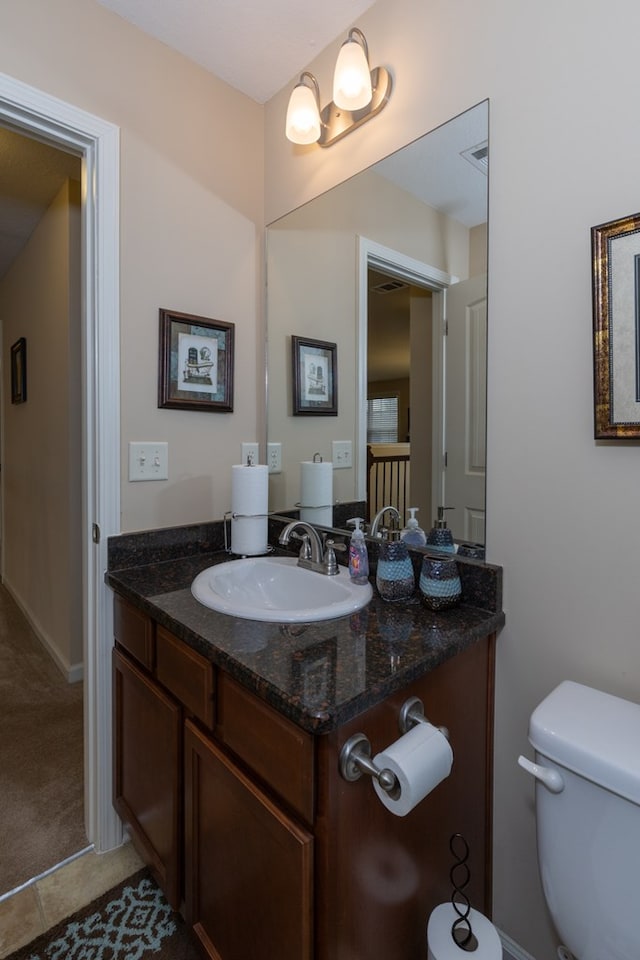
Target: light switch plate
pixel 149 461
pixel 341 454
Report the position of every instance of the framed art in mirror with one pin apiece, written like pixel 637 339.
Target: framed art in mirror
pixel 615 249
pixel 195 366
pixel 315 382
pixel 19 371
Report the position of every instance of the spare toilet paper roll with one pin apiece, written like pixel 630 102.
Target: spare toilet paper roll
pixel 316 492
pixel 441 945
pixel 420 760
pixel 249 505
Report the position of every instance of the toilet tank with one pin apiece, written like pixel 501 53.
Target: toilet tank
pixel 593 734
pixel 589 833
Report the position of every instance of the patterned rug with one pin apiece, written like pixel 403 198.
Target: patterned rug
pixel 131 922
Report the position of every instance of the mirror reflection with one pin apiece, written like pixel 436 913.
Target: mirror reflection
pixel 391 268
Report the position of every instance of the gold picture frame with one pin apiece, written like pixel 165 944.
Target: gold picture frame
pixel 615 249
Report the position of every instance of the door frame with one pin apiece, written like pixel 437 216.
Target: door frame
pixel 378 257
pixel 43 117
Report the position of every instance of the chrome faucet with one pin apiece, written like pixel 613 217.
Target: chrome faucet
pixel 378 517
pixel 313 555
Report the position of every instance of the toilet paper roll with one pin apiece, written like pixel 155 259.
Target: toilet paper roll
pixel 441 945
pixel 420 760
pixel 316 492
pixel 249 505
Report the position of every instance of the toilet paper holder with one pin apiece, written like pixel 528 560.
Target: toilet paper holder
pixel 355 756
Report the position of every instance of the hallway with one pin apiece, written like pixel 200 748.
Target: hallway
pixel 41 755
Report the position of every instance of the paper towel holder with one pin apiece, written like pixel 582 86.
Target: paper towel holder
pixel 229 516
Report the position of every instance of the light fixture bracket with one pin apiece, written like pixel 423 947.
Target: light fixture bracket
pixel 337 123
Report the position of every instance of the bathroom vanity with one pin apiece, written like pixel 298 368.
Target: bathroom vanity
pixel 227 737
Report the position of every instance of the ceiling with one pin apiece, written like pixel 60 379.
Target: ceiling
pixel 256 46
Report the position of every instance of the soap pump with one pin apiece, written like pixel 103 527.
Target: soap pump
pixel 358 556
pixel 412 534
pixel 440 536
pixel 395 578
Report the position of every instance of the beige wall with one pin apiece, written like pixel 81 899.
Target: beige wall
pixel 41 460
pixel 561 509
pixel 191 222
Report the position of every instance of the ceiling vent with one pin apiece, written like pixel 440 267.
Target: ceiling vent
pixel 478 156
pixel 389 286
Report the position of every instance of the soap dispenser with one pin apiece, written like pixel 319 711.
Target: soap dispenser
pixel 412 534
pixel 395 579
pixel 358 556
pixel 440 536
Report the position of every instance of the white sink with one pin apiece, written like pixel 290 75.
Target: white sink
pixel 277 589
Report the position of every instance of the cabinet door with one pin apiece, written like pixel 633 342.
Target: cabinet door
pixel 147 771
pixel 249 867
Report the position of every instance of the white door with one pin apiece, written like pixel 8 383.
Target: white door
pixel 465 409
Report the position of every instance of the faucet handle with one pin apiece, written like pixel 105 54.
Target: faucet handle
pixel 330 562
pixel 305 549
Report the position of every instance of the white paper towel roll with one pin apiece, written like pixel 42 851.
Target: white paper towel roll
pixel 316 492
pixel 442 946
pixel 249 501
pixel 420 759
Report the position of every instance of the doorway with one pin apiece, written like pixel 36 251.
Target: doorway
pixel 426 397
pixel 36 114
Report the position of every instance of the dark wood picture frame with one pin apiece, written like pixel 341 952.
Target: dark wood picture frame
pixel 615 250
pixel 195 366
pixel 19 371
pixel 315 378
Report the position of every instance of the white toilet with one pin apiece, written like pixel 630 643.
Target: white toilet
pixel 587 773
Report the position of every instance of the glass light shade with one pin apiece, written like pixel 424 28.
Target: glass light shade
pixel 303 116
pixel 352 77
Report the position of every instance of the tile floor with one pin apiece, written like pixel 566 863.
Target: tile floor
pixel 42 904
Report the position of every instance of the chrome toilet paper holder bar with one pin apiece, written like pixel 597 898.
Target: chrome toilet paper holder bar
pixel 412 713
pixel 355 756
pixel 355 759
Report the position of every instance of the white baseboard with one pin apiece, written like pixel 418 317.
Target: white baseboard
pixel 73 672
pixel 511 950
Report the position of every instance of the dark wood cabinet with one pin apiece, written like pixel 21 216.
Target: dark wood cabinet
pixel 249 866
pixel 147 765
pixel 250 828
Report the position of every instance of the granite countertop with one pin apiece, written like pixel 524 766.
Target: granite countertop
pixel 319 675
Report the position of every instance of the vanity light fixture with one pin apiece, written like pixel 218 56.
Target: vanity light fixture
pixel 359 93
pixel 303 112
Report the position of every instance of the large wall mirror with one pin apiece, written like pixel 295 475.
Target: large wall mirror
pixel 391 268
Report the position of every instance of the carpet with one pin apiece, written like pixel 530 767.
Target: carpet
pixel 41 755
pixel 132 921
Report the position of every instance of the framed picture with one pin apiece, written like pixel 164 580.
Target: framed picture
pixel 195 369
pixel 314 674
pixel 615 248
pixel 19 371
pixel 315 381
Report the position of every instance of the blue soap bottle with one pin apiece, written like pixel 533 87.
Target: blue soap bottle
pixel 395 579
pixel 358 556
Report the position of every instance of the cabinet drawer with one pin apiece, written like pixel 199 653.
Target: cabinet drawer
pixel 277 750
pixel 134 630
pixel 187 674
